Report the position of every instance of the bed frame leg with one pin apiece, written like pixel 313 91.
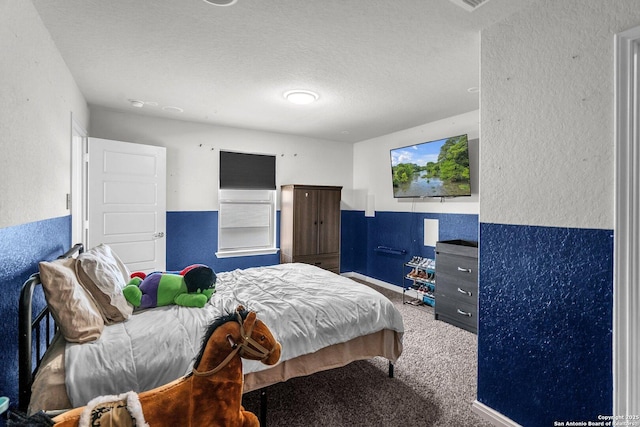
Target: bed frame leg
pixel 263 408
pixel 390 370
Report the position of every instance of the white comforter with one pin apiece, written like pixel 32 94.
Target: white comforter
pixel 306 308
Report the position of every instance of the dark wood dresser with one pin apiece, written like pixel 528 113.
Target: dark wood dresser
pixel 457 283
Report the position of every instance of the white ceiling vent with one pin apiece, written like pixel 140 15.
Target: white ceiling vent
pixel 469 5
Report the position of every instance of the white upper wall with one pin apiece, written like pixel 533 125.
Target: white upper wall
pixel 546 150
pixel 193 152
pixel 547 102
pixel 38 95
pixel 372 167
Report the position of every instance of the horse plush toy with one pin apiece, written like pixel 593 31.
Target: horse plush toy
pixel 211 395
pixel 191 287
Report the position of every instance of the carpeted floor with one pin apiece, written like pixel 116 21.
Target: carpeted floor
pixel 434 383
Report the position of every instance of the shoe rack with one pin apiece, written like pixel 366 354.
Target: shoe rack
pixel 419 275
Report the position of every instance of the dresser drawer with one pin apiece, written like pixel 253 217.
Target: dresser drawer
pixel 463 291
pixel 457 269
pixel 456 312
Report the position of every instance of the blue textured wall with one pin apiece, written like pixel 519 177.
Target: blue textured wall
pixel 361 236
pixel 353 236
pixel 545 323
pixel 192 238
pixel 21 248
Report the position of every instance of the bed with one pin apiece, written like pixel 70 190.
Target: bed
pixel 323 321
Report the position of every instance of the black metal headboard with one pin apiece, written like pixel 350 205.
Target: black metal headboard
pixel 28 326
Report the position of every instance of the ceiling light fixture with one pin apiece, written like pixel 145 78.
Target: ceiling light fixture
pixel 301 97
pixel 221 2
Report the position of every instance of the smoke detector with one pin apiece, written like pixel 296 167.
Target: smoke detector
pixel 469 5
pixel 172 109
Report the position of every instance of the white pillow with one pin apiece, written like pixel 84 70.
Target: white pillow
pixel 102 273
pixel 71 306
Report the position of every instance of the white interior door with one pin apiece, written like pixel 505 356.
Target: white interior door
pixel 127 201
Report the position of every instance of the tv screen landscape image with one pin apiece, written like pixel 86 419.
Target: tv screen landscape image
pixel 432 169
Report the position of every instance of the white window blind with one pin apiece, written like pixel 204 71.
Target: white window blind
pixel 247 211
pixel 242 215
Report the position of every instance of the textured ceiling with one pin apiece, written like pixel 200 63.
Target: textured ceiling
pixel 378 66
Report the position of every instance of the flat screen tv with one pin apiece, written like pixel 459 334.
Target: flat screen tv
pixel 432 169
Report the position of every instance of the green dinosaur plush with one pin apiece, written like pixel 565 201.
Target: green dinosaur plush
pixel 191 289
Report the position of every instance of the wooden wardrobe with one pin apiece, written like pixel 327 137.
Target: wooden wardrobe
pixel 310 225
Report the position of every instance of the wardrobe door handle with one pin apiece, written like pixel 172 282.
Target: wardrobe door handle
pixel 464 270
pixel 464 313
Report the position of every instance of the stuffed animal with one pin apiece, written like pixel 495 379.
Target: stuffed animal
pixel 191 287
pixel 211 395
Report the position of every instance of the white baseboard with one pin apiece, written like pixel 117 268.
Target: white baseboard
pixel 373 281
pixel 493 416
pixel 410 293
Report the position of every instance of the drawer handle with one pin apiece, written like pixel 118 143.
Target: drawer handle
pixel 462 291
pixel 464 313
pixel 464 270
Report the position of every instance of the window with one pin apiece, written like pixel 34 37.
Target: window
pixel 247 205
